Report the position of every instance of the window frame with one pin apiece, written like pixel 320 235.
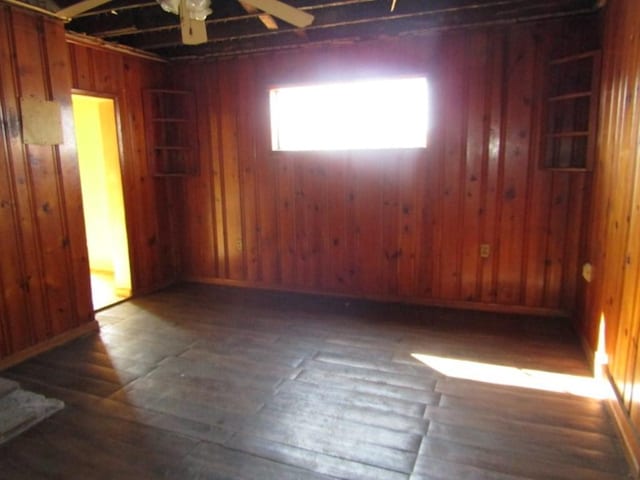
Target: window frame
pixel 347 80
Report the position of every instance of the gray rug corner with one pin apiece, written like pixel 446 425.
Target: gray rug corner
pixel 21 409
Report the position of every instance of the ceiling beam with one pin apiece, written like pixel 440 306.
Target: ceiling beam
pixel 342 13
pixel 149 16
pixel 349 32
pixel 231 30
pixel 411 17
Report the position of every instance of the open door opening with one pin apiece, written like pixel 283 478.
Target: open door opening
pixel 102 198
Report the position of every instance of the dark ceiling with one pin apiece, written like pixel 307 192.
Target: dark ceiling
pixel 232 31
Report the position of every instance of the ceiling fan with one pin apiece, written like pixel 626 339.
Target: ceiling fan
pixel 194 12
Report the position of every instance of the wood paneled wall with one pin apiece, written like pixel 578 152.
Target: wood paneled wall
pixel 402 224
pixel 44 273
pixel 614 239
pixel 152 205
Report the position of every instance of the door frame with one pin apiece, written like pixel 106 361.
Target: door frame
pixel 116 110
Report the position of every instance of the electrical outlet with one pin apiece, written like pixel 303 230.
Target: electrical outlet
pixel 239 245
pixel 485 250
pixel 587 271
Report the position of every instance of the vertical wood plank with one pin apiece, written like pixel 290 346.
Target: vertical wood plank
pixel 139 192
pixel 350 199
pixel 390 226
pixel 407 213
pixel 200 258
pixel 491 174
pixel 247 169
pixel 538 187
pixel 74 240
pixel 266 196
pixel 217 169
pixel 106 67
pixel 575 232
pixel 368 229
pixel 15 320
pixel 631 297
pixel 19 313
pixel 558 217
pixel 430 183
pixel 476 127
pixel 627 353
pixel 452 170
pixel 516 158
pixel 335 271
pixel 316 211
pixel 82 67
pixel 230 174
pixel 42 174
pixel 286 220
pixel 302 234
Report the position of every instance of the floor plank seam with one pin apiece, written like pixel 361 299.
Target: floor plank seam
pixel 230 446
pixel 422 440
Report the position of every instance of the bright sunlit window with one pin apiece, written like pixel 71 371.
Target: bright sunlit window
pixel 370 114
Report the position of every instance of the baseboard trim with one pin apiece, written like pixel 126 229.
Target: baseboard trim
pixel 459 304
pixel 48 344
pixel 630 441
pixel 589 353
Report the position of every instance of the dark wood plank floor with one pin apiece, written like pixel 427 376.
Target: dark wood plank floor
pixel 208 382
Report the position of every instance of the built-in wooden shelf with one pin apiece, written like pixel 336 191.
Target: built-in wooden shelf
pixel 568 134
pixel 569 96
pixel 571 112
pixel 171 132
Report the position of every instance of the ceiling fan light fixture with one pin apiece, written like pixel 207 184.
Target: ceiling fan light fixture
pixel 171 6
pixel 196 9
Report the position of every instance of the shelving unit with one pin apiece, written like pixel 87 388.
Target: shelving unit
pixel 571 112
pixel 171 132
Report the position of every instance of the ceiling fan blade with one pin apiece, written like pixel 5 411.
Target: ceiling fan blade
pixel 194 32
pixel 266 19
pixel 289 14
pixel 80 7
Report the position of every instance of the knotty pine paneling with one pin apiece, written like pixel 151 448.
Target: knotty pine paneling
pixel 399 224
pixel 614 239
pixel 152 204
pixel 44 273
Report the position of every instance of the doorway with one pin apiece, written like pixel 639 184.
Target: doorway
pixel 102 198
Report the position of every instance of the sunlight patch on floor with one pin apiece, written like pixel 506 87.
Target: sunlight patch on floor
pixel 103 290
pixel 515 377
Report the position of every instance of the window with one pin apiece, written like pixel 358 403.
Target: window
pixel 370 114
